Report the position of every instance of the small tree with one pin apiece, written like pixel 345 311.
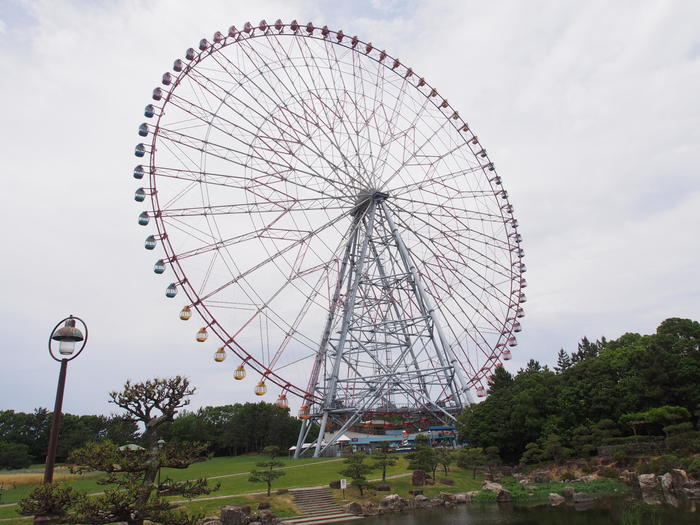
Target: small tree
pixel 14 455
pixel 445 458
pixel 357 470
pixel 383 459
pixel 533 454
pixel 268 475
pixel 424 458
pixel 493 457
pixel 471 458
pixel 131 474
pixel 554 449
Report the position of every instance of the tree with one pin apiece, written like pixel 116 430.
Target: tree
pixel 471 458
pixel 445 458
pixel 563 361
pixel 268 475
pixel 14 455
pixel 424 458
pixel 554 449
pixel 357 470
pixel 533 454
pixel 382 459
pixel 493 458
pixel 501 378
pixel 131 474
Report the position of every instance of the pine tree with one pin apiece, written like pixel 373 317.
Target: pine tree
pixel 563 361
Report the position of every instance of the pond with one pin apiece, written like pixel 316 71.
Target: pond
pixel 602 512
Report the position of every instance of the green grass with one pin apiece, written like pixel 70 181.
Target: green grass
pixel 542 490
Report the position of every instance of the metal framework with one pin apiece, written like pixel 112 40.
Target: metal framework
pixel 335 223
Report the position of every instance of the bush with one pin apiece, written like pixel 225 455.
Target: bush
pixel 567 476
pixel 662 464
pixel 688 442
pixel 694 468
pixel 14 455
pixel 610 472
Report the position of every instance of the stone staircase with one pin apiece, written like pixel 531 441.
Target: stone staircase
pixel 317 506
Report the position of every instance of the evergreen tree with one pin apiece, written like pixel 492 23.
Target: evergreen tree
pixel 563 361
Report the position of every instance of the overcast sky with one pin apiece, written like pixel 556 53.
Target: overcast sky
pixel 591 111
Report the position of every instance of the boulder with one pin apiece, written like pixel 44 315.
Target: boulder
pixel 415 492
pixel 692 490
pixel 382 487
pixel 234 514
pixel 680 478
pixel 541 476
pixel 447 496
pixel 503 496
pixel 370 509
pixel 436 502
pixel 335 484
pixel 268 518
pixel 446 481
pixel 629 477
pixel 586 479
pixel 390 501
pixel 212 520
pixel 582 497
pixel 282 491
pixel 263 505
pixel 490 486
pixel 462 497
pixel 666 482
pixel 555 499
pixel 354 508
pixel 530 487
pixel 418 478
pixel 421 501
pixel 647 482
pixel 569 492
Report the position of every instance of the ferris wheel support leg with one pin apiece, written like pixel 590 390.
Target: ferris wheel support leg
pixel 347 315
pixel 443 348
pixel 303 432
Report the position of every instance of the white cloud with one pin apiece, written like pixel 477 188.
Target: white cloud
pixel 588 109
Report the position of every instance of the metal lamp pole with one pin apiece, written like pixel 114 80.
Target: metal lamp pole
pixel 67 336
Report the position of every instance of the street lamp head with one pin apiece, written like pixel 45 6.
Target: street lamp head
pixel 67 336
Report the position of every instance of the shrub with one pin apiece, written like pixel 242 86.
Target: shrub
pixel 567 475
pixel 14 455
pixel 610 472
pixel 694 468
pixel 688 442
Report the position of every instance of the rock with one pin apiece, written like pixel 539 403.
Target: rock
pixel 504 496
pixel 334 484
pixel 436 502
pixel 263 505
pixel 390 500
pixel 680 478
pixel 234 514
pixel 541 477
pixel 569 492
pixel 586 479
pixel 415 492
pixel 490 486
pixel 447 496
pixel 282 491
pixel 418 478
pixel 449 504
pixel 555 499
pixel 268 518
pixel 446 481
pixel 666 482
pixel 629 477
pixel 462 497
pixel 354 508
pixel 421 501
pixel 212 520
pixel 370 509
pixel 530 487
pixel 582 497
pixel 383 487
pixel 647 482
pixel 472 494
pixel 692 490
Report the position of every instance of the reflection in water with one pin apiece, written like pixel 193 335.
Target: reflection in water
pixel 603 512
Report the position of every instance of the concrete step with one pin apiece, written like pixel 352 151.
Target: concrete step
pixel 317 520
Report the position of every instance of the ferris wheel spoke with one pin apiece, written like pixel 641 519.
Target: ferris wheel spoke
pixel 285 129
pixel 274 256
pixel 312 109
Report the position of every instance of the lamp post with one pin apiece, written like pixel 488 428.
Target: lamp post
pixel 67 336
pixel 160 443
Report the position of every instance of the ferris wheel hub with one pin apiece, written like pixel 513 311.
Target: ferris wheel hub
pixel 365 197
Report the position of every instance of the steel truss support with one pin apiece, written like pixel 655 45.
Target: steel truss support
pixel 374 235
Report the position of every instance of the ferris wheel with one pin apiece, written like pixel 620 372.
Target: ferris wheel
pixel 335 224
